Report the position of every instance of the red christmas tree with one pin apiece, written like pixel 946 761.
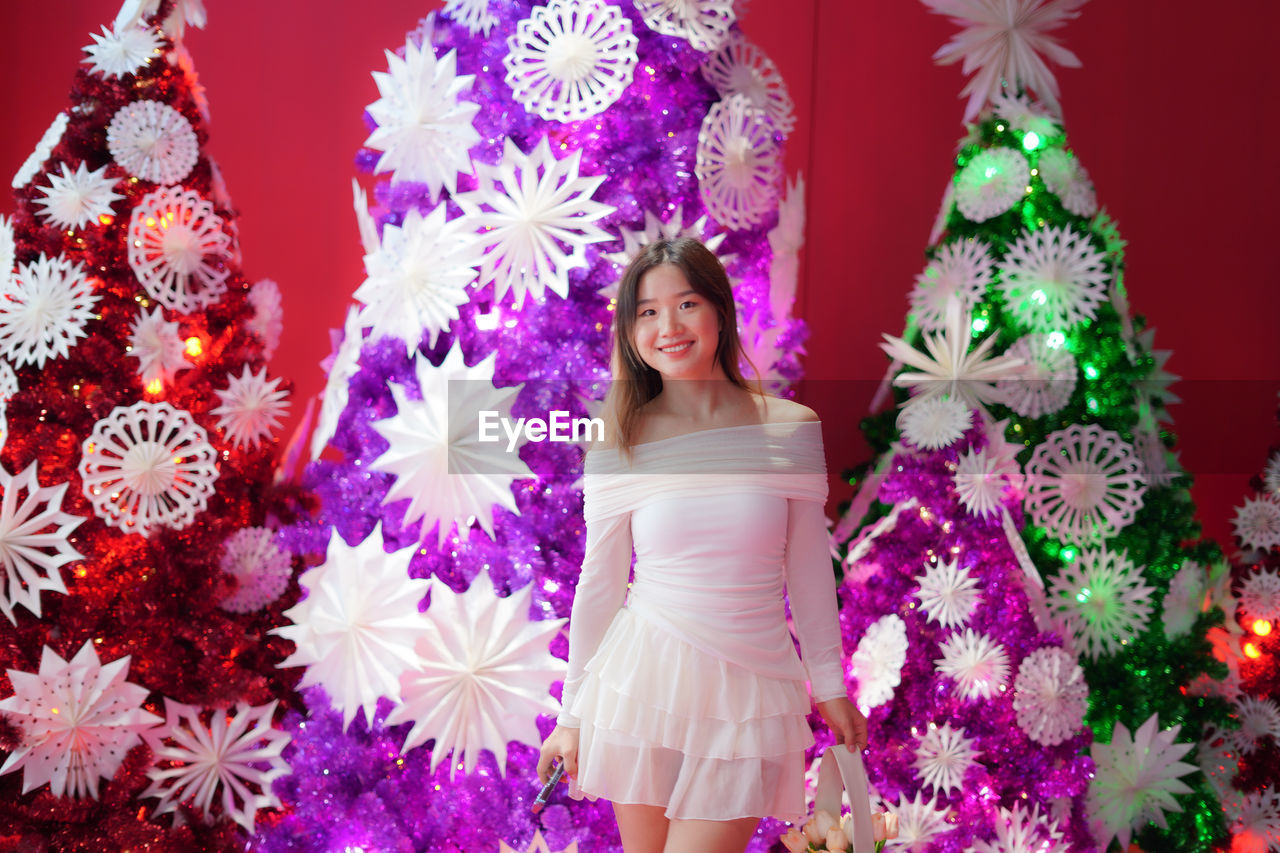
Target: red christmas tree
pixel 140 580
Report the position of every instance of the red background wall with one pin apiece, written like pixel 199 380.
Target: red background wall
pixel 1173 113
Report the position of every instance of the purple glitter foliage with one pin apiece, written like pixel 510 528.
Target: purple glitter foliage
pixel 354 789
pixel 1011 768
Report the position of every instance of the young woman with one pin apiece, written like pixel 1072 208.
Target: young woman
pixel 686 705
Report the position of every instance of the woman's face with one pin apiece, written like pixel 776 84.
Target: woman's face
pixel 676 330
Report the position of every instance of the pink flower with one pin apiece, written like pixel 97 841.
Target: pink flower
pixel 877 827
pixel 825 823
pixel 837 840
pixel 811 831
pixel 890 825
pixel 794 841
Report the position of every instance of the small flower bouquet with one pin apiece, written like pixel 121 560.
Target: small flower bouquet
pixel 824 832
pixel 858 832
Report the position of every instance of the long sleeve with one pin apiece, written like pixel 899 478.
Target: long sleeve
pixel 811 586
pixel 602 587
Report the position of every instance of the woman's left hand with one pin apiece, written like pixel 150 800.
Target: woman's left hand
pixel 845 721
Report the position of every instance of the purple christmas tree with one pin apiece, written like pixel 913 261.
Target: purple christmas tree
pixel 524 152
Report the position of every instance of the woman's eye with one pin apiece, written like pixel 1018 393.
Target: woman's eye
pixel 688 304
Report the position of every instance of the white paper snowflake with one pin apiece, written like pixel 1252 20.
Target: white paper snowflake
pixel 1003 40
pixel 877 662
pixel 341 365
pixel 1050 696
pixel 123 50
pixel 33 540
pixel 424 128
pixel 982 476
pixel 355 630
pixel 76 199
pixel 148 465
pixel 1260 595
pixel 472 14
pixel 634 241
pixel 1155 458
pixel 961 270
pixel 231 760
pixel 991 183
pixel 759 349
pixel 979 665
pixel 250 407
pixel 267 321
pixel 1136 778
pixel 1254 821
pixel 43 310
pixel 934 422
pixel 157 345
pixel 1271 475
pixel 943 757
pixel 948 367
pixel 440 464
pixel 1218 760
pixel 1084 484
pixel 741 68
pixel 1022 113
pixel 1068 180
pixel 181 14
pixel 1257 523
pixel 1183 603
pixel 1104 595
pixel 570 59
pixel 1048 376
pixel 1259 718
pixel 1053 279
pixel 418 277
pixel 919 820
pixel 535 219
pixel 178 249
pixel 483 678
pixel 8 248
pixel 1022 831
pixel 704 23
pixel 738 164
pixel 260 569
pixel 1154 390
pixel 786 239
pixel 44 148
pixel 948 593
pixel 153 141
pixel 8 387
pixel 944 213
pixel 78 719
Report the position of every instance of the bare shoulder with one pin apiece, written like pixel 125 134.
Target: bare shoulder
pixel 779 411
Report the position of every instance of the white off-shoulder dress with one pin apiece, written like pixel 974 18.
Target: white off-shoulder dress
pixel 687 687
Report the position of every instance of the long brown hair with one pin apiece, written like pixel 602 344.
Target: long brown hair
pixel 636 383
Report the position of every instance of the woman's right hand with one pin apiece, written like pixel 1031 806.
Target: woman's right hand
pixel 562 743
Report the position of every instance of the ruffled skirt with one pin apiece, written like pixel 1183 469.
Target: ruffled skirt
pixel 665 723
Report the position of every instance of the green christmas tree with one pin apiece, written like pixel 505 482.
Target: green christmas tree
pixel 1019 327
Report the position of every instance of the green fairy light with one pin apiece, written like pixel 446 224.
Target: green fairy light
pixel 1068 554
pixel 1092 405
pixel 1090 372
pixel 980 325
pixel 1055 340
pixel 1031 141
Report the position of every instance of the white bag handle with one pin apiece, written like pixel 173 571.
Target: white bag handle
pixel 841 770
